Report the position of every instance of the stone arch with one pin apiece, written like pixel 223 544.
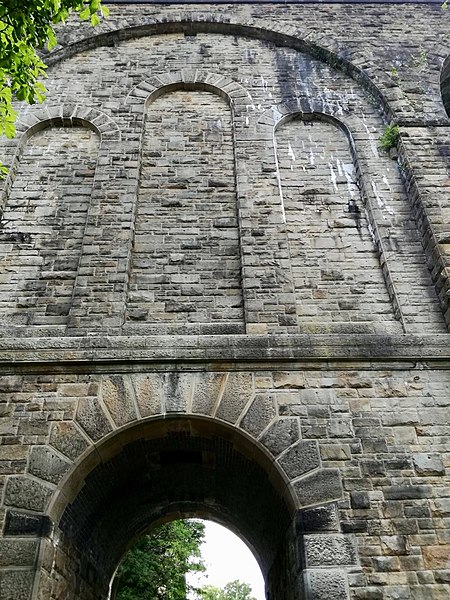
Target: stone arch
pixel 153 87
pixel 289 36
pixel 61 115
pixel 344 207
pixel 385 227
pixel 68 117
pixel 36 119
pixel 204 262
pixel 38 221
pixel 237 461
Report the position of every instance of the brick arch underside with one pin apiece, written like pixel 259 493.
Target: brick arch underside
pixel 170 468
pixel 445 85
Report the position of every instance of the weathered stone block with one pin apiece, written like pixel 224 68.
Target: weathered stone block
pixel 46 464
pixel 16 585
pixel 394 544
pixel 67 438
pixel 322 518
pixel 149 393
pixel 24 492
pixel 280 435
pixel 302 457
pixel 326 584
pixel 238 391
pixel 319 487
pixel 17 553
pixel 259 415
pixel 206 392
pixel 92 419
pixel 295 380
pixel 360 500
pixel 428 464
pixel 329 550
pixel 436 556
pixel 116 395
pixel 22 524
pixel 178 390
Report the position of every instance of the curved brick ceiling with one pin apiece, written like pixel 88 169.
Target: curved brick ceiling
pixel 181 470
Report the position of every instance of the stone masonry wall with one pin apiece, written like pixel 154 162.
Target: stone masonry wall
pixel 334 261
pixel 43 226
pixel 220 296
pixel 186 258
pixel 264 88
pixel 385 433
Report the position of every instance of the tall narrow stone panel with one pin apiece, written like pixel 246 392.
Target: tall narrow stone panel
pixel 43 226
pixel 186 260
pixel 336 271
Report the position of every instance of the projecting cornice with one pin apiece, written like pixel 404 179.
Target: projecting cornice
pixel 180 353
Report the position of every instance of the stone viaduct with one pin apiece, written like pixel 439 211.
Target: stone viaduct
pixel 219 296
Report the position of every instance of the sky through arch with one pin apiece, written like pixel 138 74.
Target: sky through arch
pixel 228 558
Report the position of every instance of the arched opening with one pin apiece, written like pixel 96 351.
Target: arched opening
pixel 157 471
pixel 188 559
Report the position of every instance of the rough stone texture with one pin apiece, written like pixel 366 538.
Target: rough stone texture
pixel 207 390
pixel 325 485
pixel 300 458
pixel 44 226
pixel 321 518
pixel 199 172
pixel 15 585
pixel 236 395
pixel 326 584
pixel 326 550
pixel 47 465
pixel 67 439
pixel 318 181
pixel 185 265
pixel 92 419
pixel 23 524
pixel 148 394
pixel 280 435
pixel 116 395
pixel 259 415
pixel 23 492
pixel 428 464
pixel 17 553
pixel 177 392
pixel 391 498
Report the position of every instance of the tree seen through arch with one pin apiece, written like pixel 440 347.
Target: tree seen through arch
pixel 167 563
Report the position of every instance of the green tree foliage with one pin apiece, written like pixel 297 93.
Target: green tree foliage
pixel 26 26
pixel 234 590
pixel 156 566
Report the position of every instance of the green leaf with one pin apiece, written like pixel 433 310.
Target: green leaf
pixel 94 20
pixel 30 26
pixel 10 130
pixel 51 43
pixel 85 14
